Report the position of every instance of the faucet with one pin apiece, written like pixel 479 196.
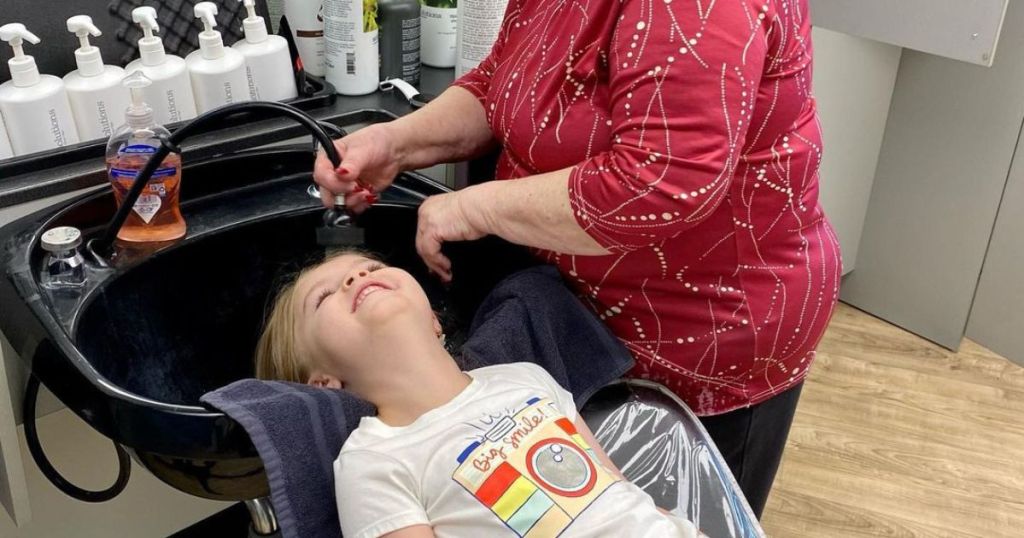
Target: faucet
pixel 100 248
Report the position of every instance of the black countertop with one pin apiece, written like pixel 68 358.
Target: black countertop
pixel 44 181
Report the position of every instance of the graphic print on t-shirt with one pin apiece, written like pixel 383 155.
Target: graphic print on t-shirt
pixel 533 470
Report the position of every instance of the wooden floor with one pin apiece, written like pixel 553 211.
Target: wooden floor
pixel 895 436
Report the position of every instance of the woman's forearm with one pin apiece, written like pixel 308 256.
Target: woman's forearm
pixel 452 127
pixel 532 211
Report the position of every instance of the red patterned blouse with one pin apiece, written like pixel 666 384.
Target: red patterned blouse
pixel 694 143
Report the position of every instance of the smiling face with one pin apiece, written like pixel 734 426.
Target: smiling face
pixel 347 307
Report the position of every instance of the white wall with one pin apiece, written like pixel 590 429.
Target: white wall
pixel 853 82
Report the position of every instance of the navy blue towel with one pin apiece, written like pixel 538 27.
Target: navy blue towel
pixel 298 430
pixel 532 316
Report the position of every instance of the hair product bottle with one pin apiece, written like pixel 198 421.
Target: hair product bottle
pixel 306 20
pixel 478 27
pixel 268 64
pixel 6 151
pixel 170 93
pixel 35 107
pixel 98 99
pixel 440 19
pixel 217 72
pixel 399 39
pixel 352 51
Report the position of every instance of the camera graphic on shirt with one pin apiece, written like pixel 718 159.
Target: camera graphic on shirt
pixel 533 470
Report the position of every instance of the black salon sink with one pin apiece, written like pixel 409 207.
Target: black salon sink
pixel 132 352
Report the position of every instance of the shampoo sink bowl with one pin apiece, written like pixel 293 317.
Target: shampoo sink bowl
pixel 132 352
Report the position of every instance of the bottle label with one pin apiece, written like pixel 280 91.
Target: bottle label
pixel 437 35
pixel 152 197
pixel 147 206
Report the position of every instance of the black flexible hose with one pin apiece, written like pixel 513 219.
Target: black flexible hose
pixel 100 246
pixel 36 449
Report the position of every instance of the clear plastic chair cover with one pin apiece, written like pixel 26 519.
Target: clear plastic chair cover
pixel 661 446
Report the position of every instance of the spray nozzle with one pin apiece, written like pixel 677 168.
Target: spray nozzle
pixel 15 34
pixel 207 12
pixel 253 25
pixel 145 17
pixel 250 6
pixel 82 26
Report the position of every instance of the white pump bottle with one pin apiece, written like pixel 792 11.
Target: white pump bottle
pixel 98 99
pixel 218 72
pixel 170 94
pixel 34 106
pixel 268 62
pixel 6 151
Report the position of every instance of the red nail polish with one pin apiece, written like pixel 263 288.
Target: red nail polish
pixel 371 198
pixel 342 171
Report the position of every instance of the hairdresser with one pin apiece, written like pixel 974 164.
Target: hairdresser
pixel 664 156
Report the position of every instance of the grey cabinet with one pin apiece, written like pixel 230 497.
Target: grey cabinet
pixel 949 145
pixel 966 30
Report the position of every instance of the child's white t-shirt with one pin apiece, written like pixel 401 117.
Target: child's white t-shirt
pixel 502 459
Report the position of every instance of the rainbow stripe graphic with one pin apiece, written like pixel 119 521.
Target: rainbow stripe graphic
pixel 570 428
pixel 519 503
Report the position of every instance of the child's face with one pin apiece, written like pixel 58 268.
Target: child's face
pixel 349 305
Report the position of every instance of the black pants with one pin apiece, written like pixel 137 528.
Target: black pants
pixel 752 441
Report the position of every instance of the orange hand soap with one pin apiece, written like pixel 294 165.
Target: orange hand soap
pixel 155 215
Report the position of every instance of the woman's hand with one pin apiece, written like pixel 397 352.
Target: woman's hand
pixel 445 217
pixel 369 163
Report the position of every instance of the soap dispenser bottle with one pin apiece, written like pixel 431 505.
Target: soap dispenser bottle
pixel 98 99
pixel 34 106
pixel 218 72
pixel 155 215
pixel 170 94
pixel 268 62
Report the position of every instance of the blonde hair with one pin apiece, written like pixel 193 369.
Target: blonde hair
pixel 277 354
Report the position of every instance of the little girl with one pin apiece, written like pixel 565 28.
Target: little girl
pixel 497 451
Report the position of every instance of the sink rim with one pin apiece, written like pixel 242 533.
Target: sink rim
pixel 97 291
pixel 20 245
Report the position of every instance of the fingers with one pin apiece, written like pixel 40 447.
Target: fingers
pixel 323 172
pixel 327 198
pixel 353 163
pixel 342 179
pixel 429 248
pixel 359 201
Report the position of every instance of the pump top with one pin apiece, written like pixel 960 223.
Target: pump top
pixel 210 43
pixel 151 48
pixel 253 26
pixel 145 17
pixel 207 13
pixel 138 115
pixel 23 67
pixel 82 26
pixel 88 58
pixel 250 7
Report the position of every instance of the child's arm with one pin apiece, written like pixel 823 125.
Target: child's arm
pixel 416 531
pixel 588 436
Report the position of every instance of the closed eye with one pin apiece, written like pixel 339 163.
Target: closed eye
pixel 323 295
pixel 376 266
